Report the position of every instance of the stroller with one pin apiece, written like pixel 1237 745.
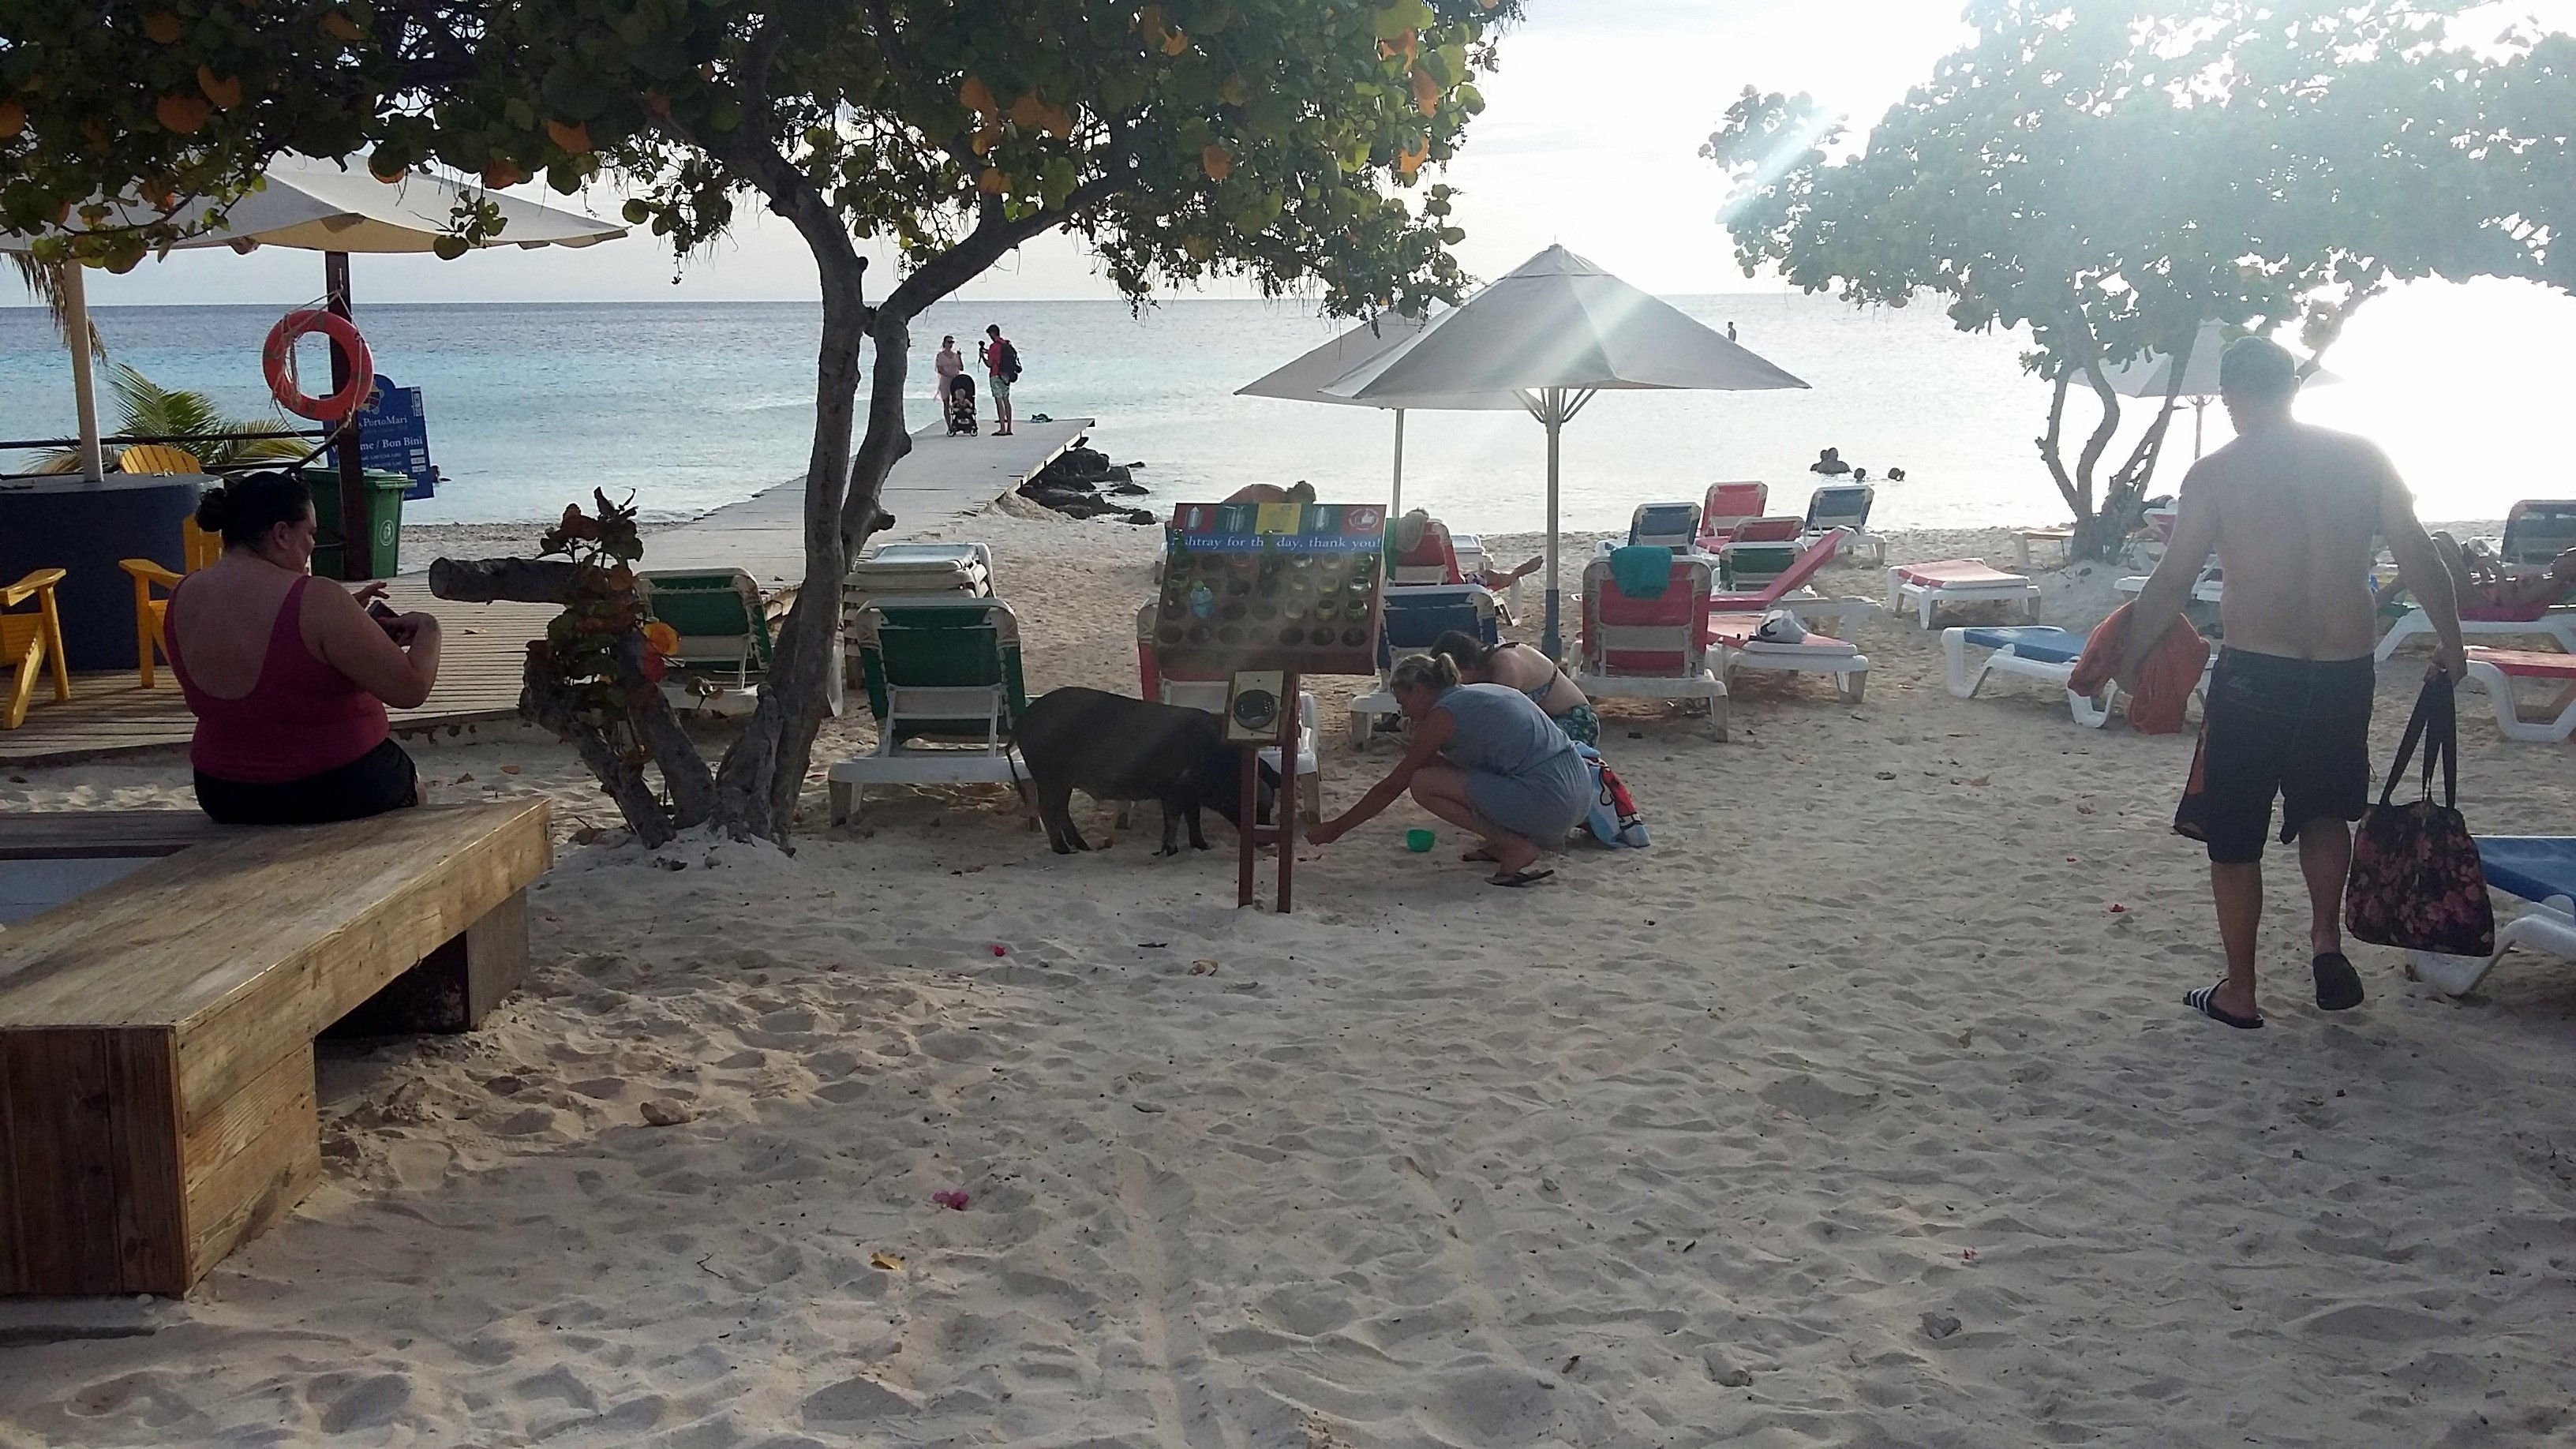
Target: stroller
pixel 961 405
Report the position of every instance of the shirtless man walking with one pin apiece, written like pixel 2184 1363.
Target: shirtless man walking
pixel 2290 510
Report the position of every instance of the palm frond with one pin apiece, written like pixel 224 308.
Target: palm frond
pixel 46 283
pixel 149 410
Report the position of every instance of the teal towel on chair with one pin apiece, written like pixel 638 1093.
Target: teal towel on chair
pixel 1640 571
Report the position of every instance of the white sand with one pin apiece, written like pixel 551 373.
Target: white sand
pixel 1684 1148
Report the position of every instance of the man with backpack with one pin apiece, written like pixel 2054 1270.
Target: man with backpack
pixel 1002 365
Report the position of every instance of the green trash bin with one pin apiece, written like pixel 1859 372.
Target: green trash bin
pixel 384 521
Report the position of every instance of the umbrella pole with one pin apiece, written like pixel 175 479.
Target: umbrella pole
pixel 1554 417
pixel 357 532
pixel 84 385
pixel 2199 411
pixel 1395 496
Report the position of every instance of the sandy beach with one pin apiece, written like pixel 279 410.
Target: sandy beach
pixel 1861 1110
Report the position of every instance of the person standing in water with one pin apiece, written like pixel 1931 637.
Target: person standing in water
pixel 2290 510
pixel 1001 368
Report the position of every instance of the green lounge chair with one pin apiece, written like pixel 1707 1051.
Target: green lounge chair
pixel 722 622
pixel 943 679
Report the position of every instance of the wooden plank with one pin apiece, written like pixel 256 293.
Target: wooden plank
pixel 151 1199
pixel 89 834
pixel 453 987
pixel 247 1164
pixel 55 1090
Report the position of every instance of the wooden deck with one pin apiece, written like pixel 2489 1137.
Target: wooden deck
pixel 942 481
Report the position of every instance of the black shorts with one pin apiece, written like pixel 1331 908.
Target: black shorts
pixel 2299 728
pixel 382 779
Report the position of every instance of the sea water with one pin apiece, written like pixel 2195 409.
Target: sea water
pixel 692 405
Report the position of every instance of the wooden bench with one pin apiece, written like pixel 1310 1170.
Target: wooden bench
pixel 156 1034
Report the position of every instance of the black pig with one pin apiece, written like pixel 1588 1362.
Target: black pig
pixel 1112 747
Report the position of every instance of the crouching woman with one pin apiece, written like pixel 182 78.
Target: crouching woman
pixel 1485 759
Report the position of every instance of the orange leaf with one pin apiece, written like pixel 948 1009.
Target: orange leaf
pixel 661 638
pixel 225 91
pixel 1218 161
pixel 1426 93
pixel 993 181
pixel 181 115
pixel 978 97
pixel 1412 159
pixel 572 136
pixel 1176 42
pixel 502 175
pixel 1028 112
pixel 341 27
pixel 162 27
pixel 13 120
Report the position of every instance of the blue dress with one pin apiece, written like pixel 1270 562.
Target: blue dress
pixel 1523 774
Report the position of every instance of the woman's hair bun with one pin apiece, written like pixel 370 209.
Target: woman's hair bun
pixel 211 508
pixel 1416 671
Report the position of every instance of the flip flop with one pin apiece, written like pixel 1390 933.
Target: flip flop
pixel 2205 1001
pixel 2338 985
pixel 1477 856
pixel 1521 878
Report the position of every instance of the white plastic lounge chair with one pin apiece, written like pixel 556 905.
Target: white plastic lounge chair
pixel 2556 623
pixel 2064 538
pixel 1734 635
pixel 1652 648
pixel 1414 620
pixel 1846 506
pixel 2497 671
pixel 943 679
pixel 1926 586
pixel 911 571
pixel 1664 525
pixel 2540 869
pixel 723 624
pixel 2035 651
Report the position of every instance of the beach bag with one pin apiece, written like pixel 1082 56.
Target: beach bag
pixel 1613 819
pixel 2416 882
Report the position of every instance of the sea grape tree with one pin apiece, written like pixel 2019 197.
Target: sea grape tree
pixel 2110 173
pixel 1282 140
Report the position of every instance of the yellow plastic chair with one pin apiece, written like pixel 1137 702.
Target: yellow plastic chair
pixel 33 640
pixel 197 548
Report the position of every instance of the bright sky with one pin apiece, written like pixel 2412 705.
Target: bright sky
pixel 1590 138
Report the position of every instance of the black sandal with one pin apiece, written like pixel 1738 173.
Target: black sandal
pixel 1521 878
pixel 2205 1001
pixel 2338 985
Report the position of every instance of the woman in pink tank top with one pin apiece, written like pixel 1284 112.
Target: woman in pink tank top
pixel 289 678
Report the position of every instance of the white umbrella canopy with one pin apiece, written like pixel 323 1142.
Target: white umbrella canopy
pixel 1306 378
pixel 1547 337
pixel 2152 376
pixel 319 206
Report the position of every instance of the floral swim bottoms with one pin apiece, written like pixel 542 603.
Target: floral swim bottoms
pixel 1582 724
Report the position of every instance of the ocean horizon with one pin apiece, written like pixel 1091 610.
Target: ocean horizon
pixel 692 405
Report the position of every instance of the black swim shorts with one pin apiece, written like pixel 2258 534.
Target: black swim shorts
pixel 2299 728
pixel 382 779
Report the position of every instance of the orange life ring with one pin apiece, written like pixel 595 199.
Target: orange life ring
pixel 277 359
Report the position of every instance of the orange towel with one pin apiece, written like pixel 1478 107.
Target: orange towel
pixel 2164 685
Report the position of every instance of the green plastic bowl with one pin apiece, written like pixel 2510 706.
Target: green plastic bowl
pixel 1419 841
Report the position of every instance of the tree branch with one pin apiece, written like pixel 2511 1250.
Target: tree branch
pixel 489 580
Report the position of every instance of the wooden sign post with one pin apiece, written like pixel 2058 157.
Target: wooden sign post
pixel 1261 595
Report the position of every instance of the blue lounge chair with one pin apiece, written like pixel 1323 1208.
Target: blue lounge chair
pixel 1415 618
pixel 2033 651
pixel 2540 869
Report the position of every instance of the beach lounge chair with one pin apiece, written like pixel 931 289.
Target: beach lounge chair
pixel 1845 506
pixel 2557 622
pixel 32 640
pixel 1791 591
pixel 1746 566
pixel 910 571
pixel 2036 651
pixel 722 622
pixel 1414 620
pixel 2540 869
pixel 197 548
pixel 942 676
pixel 2064 538
pixel 1652 648
pixel 1740 648
pixel 1727 506
pixel 2498 671
pixel 1664 525
pixel 2537 531
pixel 1926 586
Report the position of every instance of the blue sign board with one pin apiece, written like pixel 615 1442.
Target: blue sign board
pixel 394 437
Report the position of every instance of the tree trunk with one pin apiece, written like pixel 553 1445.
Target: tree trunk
pixel 757 785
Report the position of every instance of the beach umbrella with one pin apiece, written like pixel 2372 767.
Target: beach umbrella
pixel 1305 379
pixel 2152 376
pixel 1548 337
pixel 317 206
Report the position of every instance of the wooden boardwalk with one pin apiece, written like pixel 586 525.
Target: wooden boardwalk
pixel 942 481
